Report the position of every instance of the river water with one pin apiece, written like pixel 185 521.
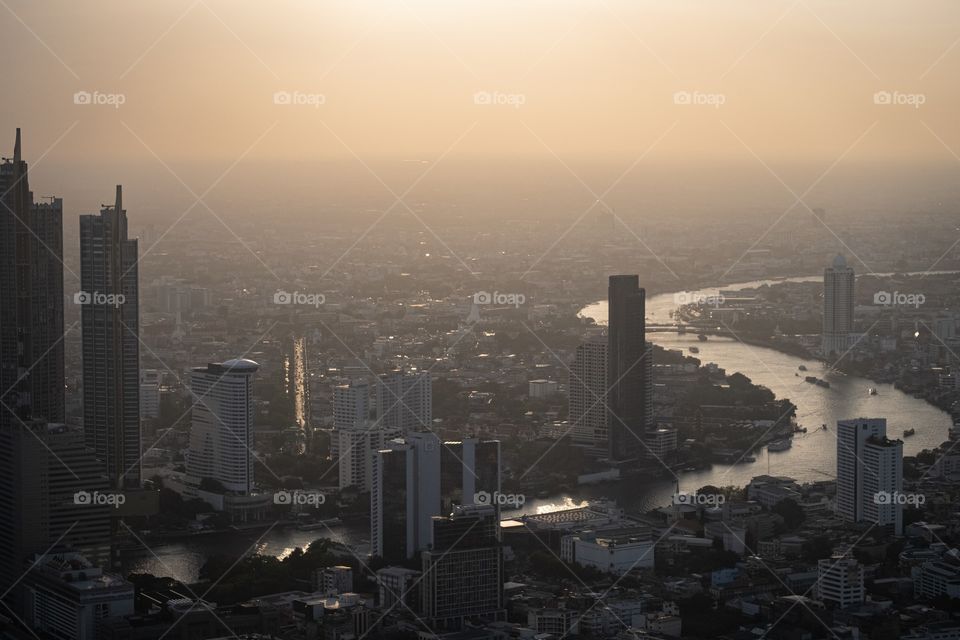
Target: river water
pixel 812 457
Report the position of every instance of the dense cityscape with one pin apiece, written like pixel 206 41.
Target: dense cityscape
pixel 480 411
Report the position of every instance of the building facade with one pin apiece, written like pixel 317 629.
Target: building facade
pixel 838 302
pixel 110 319
pixel 630 392
pixel 31 299
pixel 869 474
pixel 221 433
pixel 405 400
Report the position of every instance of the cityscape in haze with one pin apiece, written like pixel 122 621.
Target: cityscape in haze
pixel 452 320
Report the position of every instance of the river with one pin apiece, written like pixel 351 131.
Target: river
pixel 812 457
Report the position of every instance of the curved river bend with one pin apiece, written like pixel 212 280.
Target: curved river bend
pixel 812 457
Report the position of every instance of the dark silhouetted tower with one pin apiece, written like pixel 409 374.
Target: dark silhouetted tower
pixel 628 370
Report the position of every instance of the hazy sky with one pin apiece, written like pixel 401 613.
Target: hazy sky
pixel 796 78
pixel 669 81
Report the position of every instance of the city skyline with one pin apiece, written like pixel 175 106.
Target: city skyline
pixel 422 320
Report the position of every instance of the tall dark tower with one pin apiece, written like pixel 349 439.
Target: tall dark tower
pixel 31 300
pixel 109 284
pixel 628 370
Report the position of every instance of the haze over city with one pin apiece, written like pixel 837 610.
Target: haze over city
pixel 424 319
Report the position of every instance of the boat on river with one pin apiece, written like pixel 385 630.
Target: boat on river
pixel 780 445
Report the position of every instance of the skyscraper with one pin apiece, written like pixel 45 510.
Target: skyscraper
pixel 351 407
pixel 463 569
pixel 31 299
pixel 110 317
pixel 356 447
pixel 405 400
pixel 628 369
pixel 351 404
pixel 586 389
pixel 838 292
pixel 869 473
pixel 221 433
pixel 48 477
pixel 417 478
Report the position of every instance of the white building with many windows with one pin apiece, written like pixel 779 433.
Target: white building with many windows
pixel 840 581
pixel 869 474
pixel 838 303
pixel 66 596
pixel 221 434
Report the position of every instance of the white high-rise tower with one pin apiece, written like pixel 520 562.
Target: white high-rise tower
pixel 221 436
pixel 838 291
pixel 869 473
